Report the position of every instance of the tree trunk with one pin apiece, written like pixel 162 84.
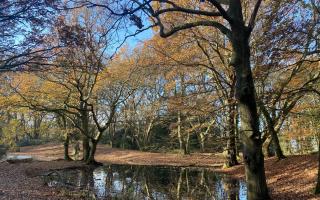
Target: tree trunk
pixel 111 135
pixel 36 126
pixel 179 133
pixel 245 95
pixel 63 125
pixel 85 148
pixel 266 147
pixel 272 132
pixel 66 147
pixel 187 145
pixel 146 138
pixel 93 147
pixel 85 130
pixel 276 144
pixel 231 143
pixel 237 132
pixel 202 142
pixel 317 190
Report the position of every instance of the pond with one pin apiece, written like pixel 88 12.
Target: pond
pixel 18 158
pixel 150 182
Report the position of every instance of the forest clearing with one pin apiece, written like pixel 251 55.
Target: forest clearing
pixel 160 99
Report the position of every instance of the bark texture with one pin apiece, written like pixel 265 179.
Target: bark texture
pixel 231 144
pixel 317 190
pixel 266 148
pixel 85 148
pixel 92 152
pixel 272 131
pixel 245 95
pixel 66 148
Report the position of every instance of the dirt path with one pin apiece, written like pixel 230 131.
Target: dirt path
pixel 292 178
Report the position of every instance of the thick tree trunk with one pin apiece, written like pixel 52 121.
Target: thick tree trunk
pixel 250 134
pixel 231 143
pixel 317 190
pixel 85 148
pixel 276 144
pixel 266 147
pixel 91 159
pixel 85 130
pixel 272 132
pixel 36 126
pixel 63 125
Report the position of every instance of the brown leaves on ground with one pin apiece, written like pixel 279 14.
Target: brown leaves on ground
pixel 291 178
pixel 21 180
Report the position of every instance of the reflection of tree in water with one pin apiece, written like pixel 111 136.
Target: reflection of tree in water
pixel 147 182
pixel 192 184
pixel 86 178
pixel 231 188
pixel 183 183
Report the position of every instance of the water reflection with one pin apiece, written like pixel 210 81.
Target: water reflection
pixel 149 182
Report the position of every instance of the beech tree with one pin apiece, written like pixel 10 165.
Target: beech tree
pixel 207 77
pixel 75 76
pixel 217 56
pixel 279 70
pixel 228 18
pixel 212 71
pixel 83 98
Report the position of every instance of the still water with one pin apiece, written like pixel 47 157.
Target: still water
pixel 150 182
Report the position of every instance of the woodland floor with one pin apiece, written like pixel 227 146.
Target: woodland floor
pixel 292 178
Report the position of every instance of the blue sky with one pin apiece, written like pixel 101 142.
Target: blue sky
pixel 133 41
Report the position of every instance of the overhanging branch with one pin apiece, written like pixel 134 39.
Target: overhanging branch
pixel 254 14
pixel 185 26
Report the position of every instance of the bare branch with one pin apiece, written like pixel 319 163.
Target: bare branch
pixel 176 8
pixel 222 11
pixel 254 14
pixel 178 28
